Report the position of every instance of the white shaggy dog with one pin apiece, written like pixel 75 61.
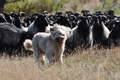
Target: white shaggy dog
pixel 67 30
pixel 51 45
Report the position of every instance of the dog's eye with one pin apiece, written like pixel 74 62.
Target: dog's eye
pixel 62 34
pixel 54 34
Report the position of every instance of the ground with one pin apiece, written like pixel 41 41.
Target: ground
pixel 91 64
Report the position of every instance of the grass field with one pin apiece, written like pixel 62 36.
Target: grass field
pixel 32 6
pixel 91 64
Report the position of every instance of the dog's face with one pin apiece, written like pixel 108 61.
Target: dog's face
pixel 59 36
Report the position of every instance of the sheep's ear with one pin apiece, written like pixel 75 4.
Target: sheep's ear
pixel 51 29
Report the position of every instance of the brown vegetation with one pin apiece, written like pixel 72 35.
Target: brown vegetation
pixel 91 64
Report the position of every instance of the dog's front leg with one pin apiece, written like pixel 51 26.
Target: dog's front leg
pixel 59 58
pixel 50 57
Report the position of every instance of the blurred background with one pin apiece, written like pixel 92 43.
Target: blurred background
pixel 32 6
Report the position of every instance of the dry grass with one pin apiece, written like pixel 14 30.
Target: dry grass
pixel 91 64
pixel 81 5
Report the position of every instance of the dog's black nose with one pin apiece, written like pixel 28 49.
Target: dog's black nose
pixel 60 40
pixel 57 39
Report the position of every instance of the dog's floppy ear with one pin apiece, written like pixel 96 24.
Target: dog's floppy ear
pixel 55 25
pixel 52 29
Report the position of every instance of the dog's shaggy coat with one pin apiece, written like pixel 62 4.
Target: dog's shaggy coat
pixel 51 45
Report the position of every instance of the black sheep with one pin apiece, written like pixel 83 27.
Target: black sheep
pixel 11 38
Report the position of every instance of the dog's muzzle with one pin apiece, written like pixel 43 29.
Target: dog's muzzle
pixel 60 40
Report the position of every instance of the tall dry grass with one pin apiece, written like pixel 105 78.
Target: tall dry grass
pixel 91 64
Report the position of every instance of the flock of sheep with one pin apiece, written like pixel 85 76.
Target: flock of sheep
pixel 40 32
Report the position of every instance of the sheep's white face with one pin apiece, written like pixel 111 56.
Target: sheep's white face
pixel 59 36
